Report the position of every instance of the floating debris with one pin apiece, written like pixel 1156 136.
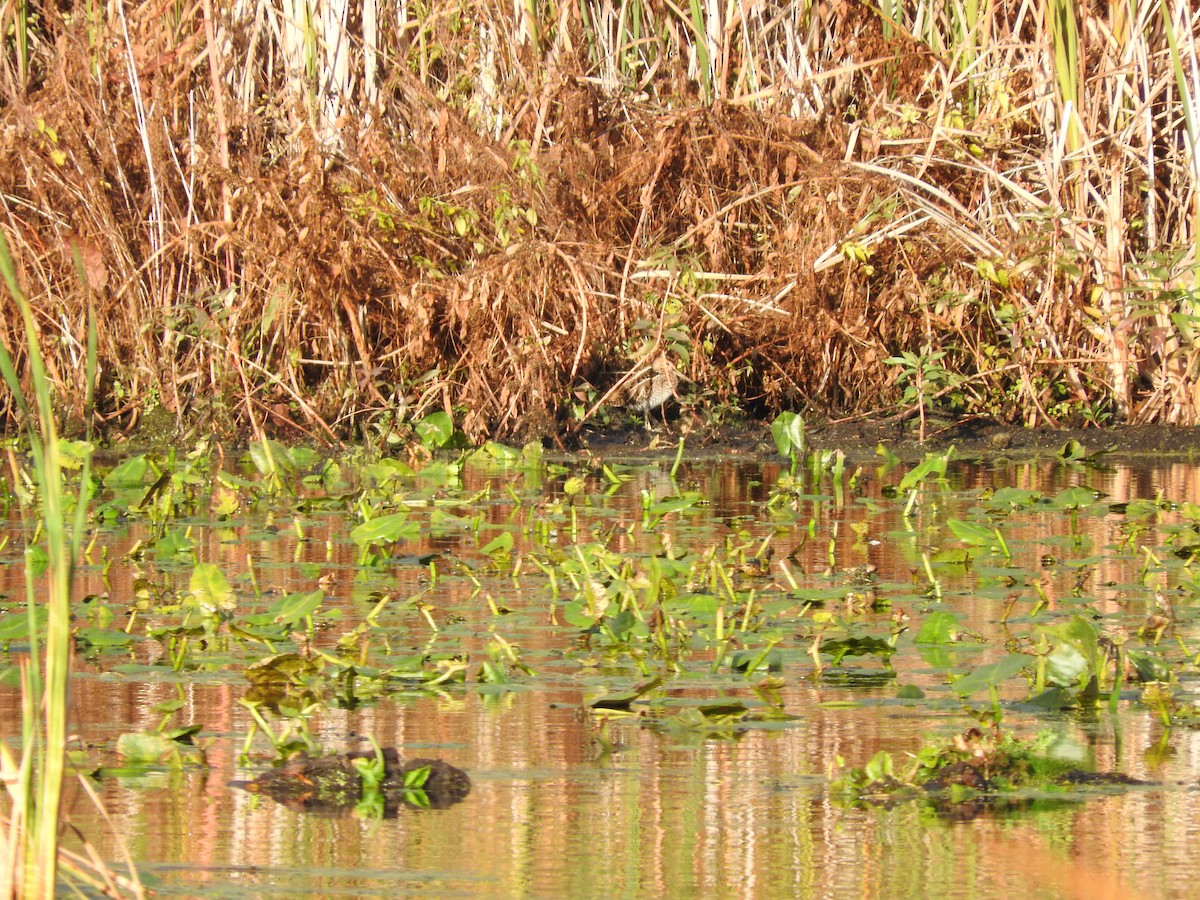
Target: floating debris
pixel 341 785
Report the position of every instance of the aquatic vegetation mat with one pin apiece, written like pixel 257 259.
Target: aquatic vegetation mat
pixel 1011 619
pixel 976 773
pixel 375 784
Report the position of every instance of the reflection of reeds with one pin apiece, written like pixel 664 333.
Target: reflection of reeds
pixel 29 853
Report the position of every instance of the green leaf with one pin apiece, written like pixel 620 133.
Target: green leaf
pixel 788 432
pixel 279 459
pixel 1075 498
pixel 417 798
pixel 934 466
pixel 857 646
pixel 385 529
pixel 1066 666
pixel 1053 698
pixel 532 453
pixel 173 543
pixel 501 543
pixel 501 452
pixel 435 430
pixel 443 523
pixel 675 504
pixel 976 535
pixel 1013 498
pixel 144 747
pixel 254 631
pixel 131 473
pixel 385 471
pixel 73 453
pixel 1072 451
pixel 102 637
pixel 622 623
pixel 304 457
pixel 490 673
pixel 702 606
pixel 210 588
pixel 576 614
pixel 990 675
pixel 282 668
pixel 14 626
pixel 1080 637
pixel 294 608
pixel 183 734
pixel 939 627
pixel 880 768
pixel 744 660
pixel 415 779
pixel 37 559
pixel 1150 667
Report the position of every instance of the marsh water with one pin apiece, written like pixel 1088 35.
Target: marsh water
pixel 694 777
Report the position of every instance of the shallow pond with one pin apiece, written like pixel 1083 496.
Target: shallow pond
pixel 655 684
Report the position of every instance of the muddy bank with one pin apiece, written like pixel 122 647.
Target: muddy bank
pixel 972 439
pixel 858 437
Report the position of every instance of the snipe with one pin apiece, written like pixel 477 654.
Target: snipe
pixel 656 385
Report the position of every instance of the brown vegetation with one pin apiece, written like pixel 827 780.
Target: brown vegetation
pixel 494 216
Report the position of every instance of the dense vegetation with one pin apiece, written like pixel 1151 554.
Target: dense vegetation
pixel 317 219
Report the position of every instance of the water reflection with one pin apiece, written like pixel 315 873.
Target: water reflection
pixel 564 805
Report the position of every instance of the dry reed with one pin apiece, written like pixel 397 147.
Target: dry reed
pixel 307 218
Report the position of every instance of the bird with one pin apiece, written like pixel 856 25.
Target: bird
pixel 652 387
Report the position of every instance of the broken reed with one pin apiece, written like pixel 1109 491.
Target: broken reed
pixel 1074 194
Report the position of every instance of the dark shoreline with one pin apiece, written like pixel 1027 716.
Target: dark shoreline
pixel 971 439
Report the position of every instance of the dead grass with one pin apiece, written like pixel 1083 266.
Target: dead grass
pixel 410 256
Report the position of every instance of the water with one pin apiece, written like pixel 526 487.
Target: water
pixel 568 803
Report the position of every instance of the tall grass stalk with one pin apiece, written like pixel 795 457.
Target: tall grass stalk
pixel 35 780
pixel 1189 89
pixel 1064 34
pixel 21 39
